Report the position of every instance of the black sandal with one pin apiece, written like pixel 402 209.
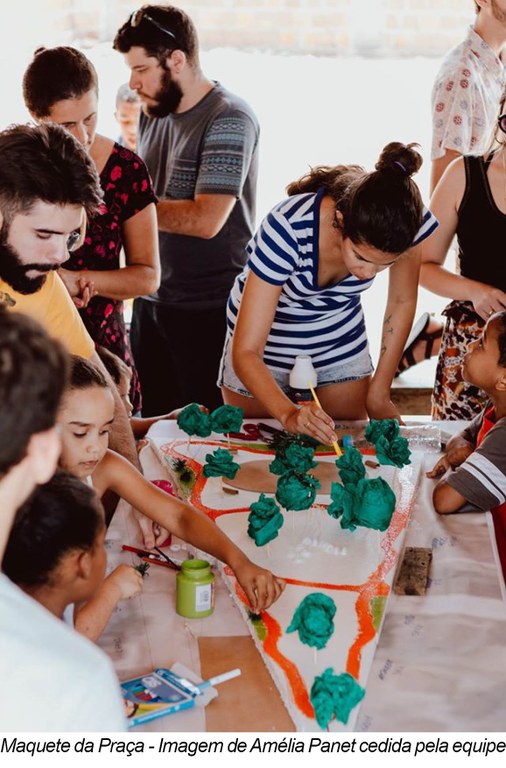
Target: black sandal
pixel 408 359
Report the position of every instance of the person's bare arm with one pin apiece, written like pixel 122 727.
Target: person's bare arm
pixel 258 306
pixel 446 499
pixel 260 585
pixel 398 318
pixel 140 276
pixel 204 216
pixel 92 617
pixel 444 204
pixel 122 438
pixel 439 166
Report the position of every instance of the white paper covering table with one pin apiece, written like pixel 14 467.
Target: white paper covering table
pixel 440 664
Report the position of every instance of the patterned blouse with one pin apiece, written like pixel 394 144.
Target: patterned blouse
pixel 127 190
pixel 465 98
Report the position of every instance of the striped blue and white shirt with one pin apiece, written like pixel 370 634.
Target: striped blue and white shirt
pixel 325 323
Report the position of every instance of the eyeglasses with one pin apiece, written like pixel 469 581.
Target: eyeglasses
pixel 137 17
pixel 74 240
pixel 501 122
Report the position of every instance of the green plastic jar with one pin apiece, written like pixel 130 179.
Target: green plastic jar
pixel 195 589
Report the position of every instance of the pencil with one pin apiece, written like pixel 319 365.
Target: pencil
pixel 315 398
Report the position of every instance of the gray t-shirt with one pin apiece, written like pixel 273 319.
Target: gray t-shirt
pixel 210 149
pixel 481 479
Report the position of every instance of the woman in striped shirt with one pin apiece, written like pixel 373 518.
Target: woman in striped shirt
pixel 299 293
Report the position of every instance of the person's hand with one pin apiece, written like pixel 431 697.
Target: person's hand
pixel 126 581
pixel 486 300
pixel 262 588
pixel 313 421
pixel 442 466
pixel 458 450
pixel 79 286
pixel 382 408
pixel 152 533
pixel 87 293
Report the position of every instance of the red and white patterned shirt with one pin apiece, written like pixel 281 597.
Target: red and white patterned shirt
pixel 465 98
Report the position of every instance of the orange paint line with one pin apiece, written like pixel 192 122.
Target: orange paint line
pixel 366 631
pixel 292 674
pixel 375 586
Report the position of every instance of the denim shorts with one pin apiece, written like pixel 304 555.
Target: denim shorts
pixel 357 368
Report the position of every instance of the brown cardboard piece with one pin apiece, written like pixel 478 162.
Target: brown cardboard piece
pixel 250 702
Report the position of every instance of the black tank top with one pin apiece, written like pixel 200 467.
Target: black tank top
pixel 481 229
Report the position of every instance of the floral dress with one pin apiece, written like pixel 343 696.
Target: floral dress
pixel 127 190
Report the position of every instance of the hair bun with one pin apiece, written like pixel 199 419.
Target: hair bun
pixel 401 158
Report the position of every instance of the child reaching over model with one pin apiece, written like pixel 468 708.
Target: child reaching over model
pixel 477 455
pixel 85 420
pixel 56 554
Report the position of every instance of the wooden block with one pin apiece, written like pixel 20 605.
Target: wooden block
pixel 250 702
pixel 413 574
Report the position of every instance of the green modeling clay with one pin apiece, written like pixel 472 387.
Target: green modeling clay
pixel 193 421
pixel 351 467
pixel 342 505
pixel 395 452
pixel 370 504
pixel 296 491
pixel 226 418
pixel 314 620
pixel 293 456
pixel 388 428
pixel 220 464
pixel 265 520
pixel 391 447
pixel 334 695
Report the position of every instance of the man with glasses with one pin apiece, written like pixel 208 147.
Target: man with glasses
pixel 199 142
pixel 48 184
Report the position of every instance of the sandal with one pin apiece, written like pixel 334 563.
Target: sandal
pixel 418 333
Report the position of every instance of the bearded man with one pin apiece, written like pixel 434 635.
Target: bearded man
pixel 200 144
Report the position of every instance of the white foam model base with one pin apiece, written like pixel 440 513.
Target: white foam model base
pixel 312 552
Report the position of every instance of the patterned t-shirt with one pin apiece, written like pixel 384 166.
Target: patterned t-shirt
pixel 210 149
pixel 465 98
pixel 325 323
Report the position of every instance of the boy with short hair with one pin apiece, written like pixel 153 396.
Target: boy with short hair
pixel 477 455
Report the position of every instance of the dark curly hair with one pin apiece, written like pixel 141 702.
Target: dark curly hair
pixel 60 516
pixel 56 74
pixel 44 162
pixel 156 42
pixel 83 374
pixel 383 209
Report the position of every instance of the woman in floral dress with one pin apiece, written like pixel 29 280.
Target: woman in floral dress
pixel 60 86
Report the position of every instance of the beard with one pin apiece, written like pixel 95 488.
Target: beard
pixel 14 272
pixel 168 97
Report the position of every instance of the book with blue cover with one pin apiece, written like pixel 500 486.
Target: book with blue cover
pixel 156 694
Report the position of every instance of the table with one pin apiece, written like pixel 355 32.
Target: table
pixel 440 664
